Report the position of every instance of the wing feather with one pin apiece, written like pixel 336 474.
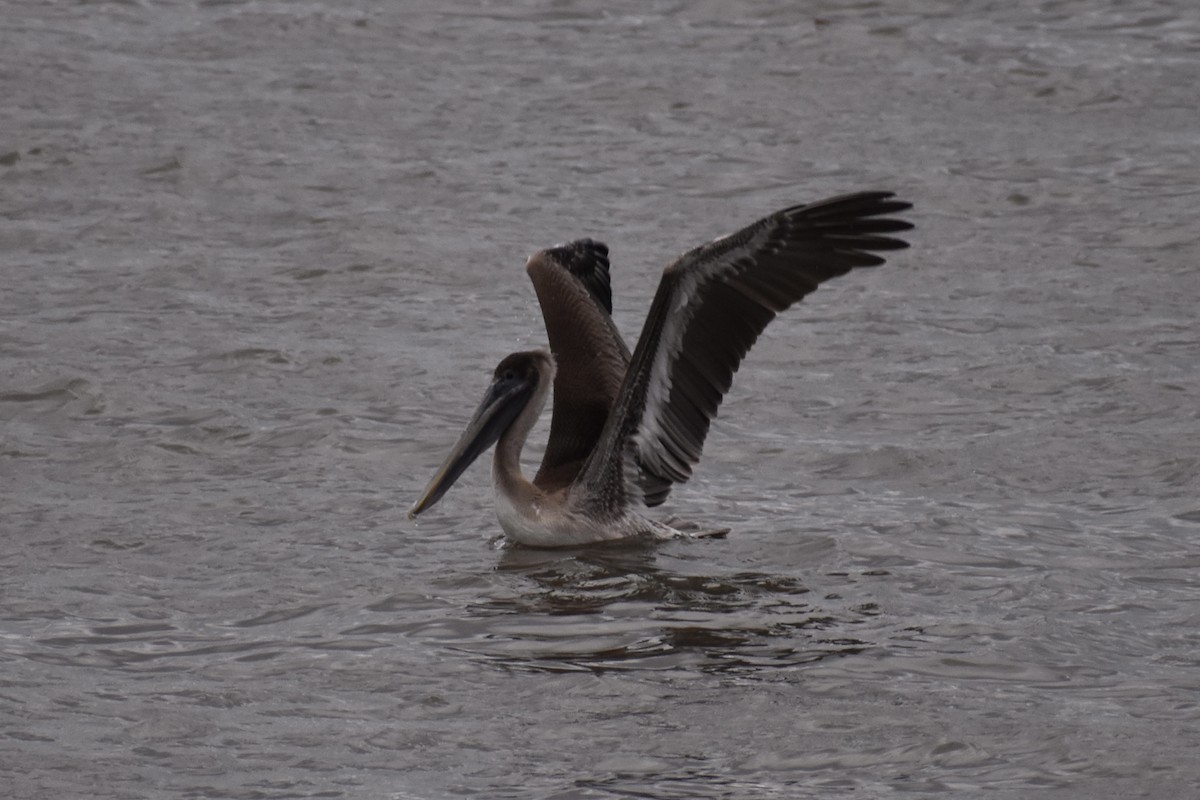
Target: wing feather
pixel 573 289
pixel 710 307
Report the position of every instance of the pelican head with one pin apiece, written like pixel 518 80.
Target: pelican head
pixel 518 379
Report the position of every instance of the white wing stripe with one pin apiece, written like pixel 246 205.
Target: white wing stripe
pixel 659 431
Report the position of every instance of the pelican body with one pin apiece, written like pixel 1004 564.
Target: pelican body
pixel 626 427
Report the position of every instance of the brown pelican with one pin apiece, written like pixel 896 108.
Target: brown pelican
pixel 626 428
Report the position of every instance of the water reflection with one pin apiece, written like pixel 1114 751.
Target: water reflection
pixel 638 608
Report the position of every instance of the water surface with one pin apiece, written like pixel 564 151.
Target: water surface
pixel 260 258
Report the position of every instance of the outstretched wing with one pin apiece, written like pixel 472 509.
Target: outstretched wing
pixel 572 284
pixel 710 307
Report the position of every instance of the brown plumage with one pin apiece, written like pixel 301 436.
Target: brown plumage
pixel 626 428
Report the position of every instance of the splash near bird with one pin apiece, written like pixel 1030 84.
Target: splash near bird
pixel 625 428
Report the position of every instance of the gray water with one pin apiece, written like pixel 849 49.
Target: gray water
pixel 258 260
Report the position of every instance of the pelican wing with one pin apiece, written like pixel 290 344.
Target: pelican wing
pixel 573 289
pixel 710 307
